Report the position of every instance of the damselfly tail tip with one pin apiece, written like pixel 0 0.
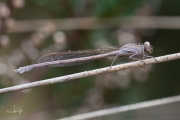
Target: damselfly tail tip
pixel 16 71
pixel 23 69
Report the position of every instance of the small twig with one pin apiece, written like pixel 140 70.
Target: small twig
pixel 115 110
pixel 141 22
pixel 90 73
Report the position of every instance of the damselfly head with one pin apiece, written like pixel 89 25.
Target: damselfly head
pixel 148 47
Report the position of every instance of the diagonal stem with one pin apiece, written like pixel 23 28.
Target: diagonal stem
pixel 90 73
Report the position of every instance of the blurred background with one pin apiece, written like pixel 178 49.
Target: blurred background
pixel 32 28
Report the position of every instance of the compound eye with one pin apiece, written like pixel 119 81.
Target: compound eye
pixel 147 44
pixel 148 47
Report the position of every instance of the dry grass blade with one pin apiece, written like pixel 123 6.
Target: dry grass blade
pixel 91 72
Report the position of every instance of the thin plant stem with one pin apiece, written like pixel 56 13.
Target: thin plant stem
pixel 91 73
